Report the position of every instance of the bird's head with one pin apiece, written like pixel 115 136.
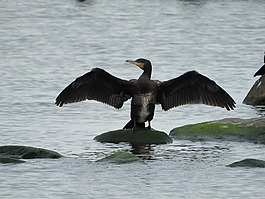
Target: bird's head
pixel 142 63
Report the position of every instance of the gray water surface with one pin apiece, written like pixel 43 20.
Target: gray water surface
pixel 47 44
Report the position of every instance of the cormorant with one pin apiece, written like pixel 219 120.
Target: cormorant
pixel 261 71
pixel 189 88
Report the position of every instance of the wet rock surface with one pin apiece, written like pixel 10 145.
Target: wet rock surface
pixel 14 154
pixel 121 157
pixel 256 95
pixel 141 136
pixel 6 160
pixel 230 129
pixel 248 163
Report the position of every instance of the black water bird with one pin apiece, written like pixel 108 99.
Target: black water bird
pixel 189 88
pixel 261 71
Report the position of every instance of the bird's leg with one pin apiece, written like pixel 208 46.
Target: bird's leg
pixel 149 125
pixel 134 125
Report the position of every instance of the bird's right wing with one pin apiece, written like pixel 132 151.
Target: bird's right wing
pixel 192 88
pixel 97 85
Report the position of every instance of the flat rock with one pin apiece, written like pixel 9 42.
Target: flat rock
pixel 256 95
pixel 248 163
pixel 121 157
pixel 137 137
pixel 230 129
pixel 26 152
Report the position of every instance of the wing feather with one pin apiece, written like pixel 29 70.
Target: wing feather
pixel 97 85
pixel 193 88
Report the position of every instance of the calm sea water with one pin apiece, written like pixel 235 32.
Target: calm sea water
pixel 47 44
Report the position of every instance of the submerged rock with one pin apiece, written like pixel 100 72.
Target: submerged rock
pixel 6 160
pixel 248 163
pixel 26 152
pixel 256 95
pixel 138 136
pixel 121 157
pixel 231 129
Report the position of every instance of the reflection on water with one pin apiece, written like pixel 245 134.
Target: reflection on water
pixel 146 152
pixel 260 110
pixel 190 151
pixel 84 2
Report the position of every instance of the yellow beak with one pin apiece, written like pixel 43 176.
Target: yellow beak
pixel 139 64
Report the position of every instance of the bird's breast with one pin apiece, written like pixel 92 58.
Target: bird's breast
pixel 145 105
pixel 143 99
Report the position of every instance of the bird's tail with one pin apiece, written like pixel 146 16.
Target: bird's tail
pixel 130 125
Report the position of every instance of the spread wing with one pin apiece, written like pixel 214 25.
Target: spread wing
pixel 97 85
pixel 192 88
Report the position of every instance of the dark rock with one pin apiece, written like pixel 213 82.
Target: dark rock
pixel 136 137
pixel 27 152
pixel 248 163
pixel 230 129
pixel 5 160
pixel 121 157
pixel 256 95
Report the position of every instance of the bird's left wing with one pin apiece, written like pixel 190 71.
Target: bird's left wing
pixel 97 85
pixel 192 88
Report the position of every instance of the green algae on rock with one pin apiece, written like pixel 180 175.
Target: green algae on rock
pixel 248 163
pixel 27 152
pixel 230 129
pixel 121 157
pixel 138 137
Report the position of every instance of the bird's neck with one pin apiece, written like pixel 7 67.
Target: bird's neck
pixel 146 74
